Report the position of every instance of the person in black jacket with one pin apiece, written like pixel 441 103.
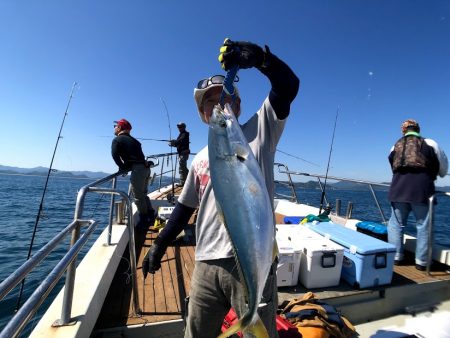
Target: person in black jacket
pixel 127 153
pixel 182 144
pixel 416 162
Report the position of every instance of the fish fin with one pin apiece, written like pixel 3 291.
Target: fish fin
pixel 276 251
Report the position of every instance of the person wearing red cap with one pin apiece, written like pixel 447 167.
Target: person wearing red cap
pixel 416 162
pixel 215 284
pixel 182 144
pixel 127 153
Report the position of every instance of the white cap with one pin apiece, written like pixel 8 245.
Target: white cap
pixel 198 97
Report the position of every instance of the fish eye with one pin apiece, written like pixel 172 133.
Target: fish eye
pixel 240 158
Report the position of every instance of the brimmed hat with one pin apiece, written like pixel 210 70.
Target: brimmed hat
pixel 410 124
pixel 200 93
pixel 181 124
pixel 124 124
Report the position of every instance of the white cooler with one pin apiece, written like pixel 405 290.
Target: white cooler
pixel 165 212
pixel 288 264
pixel 291 239
pixel 296 233
pixel 320 263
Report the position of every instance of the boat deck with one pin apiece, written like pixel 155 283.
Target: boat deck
pixel 162 295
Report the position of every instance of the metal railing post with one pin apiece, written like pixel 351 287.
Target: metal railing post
pixel 430 232
pixel 132 250
pixel 291 183
pixel 322 190
pixel 338 207
pixel 70 275
pixel 111 211
pixel 378 204
pixel 131 246
pixel 348 214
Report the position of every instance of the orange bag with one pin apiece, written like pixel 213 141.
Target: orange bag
pixel 316 319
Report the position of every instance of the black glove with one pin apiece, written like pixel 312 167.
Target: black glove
pixel 152 261
pixel 241 53
pixel 172 143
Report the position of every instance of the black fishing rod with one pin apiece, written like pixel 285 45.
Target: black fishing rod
pixel 151 139
pixel 38 216
pixel 171 160
pixel 328 165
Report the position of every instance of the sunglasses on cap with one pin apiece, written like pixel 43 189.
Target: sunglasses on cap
pixel 216 79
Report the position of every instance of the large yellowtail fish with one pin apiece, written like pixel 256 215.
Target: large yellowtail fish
pixel 243 200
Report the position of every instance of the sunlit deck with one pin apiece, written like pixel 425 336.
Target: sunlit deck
pixel 162 295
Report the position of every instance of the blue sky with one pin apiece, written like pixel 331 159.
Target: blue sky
pixel 380 61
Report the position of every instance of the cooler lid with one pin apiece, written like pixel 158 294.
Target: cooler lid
pixel 316 247
pixel 351 239
pixel 284 246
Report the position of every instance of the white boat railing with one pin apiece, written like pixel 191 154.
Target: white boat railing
pixel 70 276
pixel 431 226
pixel 29 308
pixel 283 169
pixel 67 263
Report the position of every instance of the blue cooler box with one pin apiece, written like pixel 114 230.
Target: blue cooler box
pixel 367 261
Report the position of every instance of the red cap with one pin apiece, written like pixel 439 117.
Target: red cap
pixel 124 124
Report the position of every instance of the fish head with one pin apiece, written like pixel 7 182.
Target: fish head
pixel 220 120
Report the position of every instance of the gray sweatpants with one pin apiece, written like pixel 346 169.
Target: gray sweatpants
pixel 140 175
pixel 215 287
pixel 183 169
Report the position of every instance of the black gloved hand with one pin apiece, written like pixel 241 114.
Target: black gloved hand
pixel 241 53
pixel 152 261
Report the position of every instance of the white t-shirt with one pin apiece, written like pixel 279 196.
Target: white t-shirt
pixel 263 131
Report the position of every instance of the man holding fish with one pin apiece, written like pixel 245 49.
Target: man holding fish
pixel 231 182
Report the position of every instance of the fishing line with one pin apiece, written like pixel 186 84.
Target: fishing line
pixel 44 191
pixel 329 158
pixel 143 139
pixel 299 158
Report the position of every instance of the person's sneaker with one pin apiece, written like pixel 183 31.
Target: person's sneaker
pixel 398 262
pixel 179 184
pixel 421 267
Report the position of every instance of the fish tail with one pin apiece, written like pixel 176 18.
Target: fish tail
pixel 231 330
pixel 257 329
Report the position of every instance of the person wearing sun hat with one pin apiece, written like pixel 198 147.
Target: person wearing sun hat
pixel 127 153
pixel 215 284
pixel 416 162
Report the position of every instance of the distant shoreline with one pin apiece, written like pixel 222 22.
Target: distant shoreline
pixel 54 176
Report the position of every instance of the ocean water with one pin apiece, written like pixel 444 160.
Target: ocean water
pixel 19 204
pixel 20 197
